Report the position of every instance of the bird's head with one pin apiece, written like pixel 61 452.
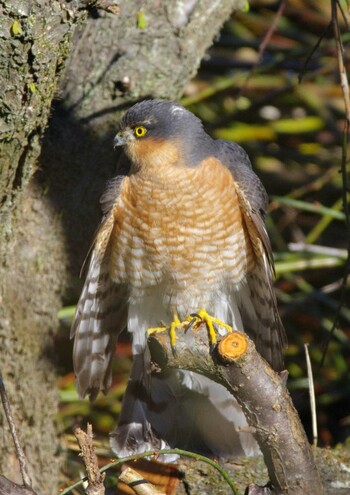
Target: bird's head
pixel 157 133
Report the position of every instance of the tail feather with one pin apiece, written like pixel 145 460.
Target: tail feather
pixel 181 409
pixel 134 433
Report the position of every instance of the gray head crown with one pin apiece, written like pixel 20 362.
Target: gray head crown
pixel 169 120
pixel 165 119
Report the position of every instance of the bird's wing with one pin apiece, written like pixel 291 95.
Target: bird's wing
pixel 111 193
pixel 101 312
pixel 260 315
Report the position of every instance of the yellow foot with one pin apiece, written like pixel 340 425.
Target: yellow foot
pixel 192 320
pixel 203 316
pixel 176 323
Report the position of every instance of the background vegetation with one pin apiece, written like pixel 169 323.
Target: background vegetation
pixel 277 96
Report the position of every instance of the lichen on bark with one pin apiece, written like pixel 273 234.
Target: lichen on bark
pixel 34 44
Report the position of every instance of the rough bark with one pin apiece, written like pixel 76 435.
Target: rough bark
pixel 35 38
pixel 151 48
pixel 95 478
pixel 7 487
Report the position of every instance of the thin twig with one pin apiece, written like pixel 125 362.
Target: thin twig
pixel 313 50
pixel 311 395
pixel 23 466
pixel 95 478
pixel 340 55
pixel 263 45
pixel 317 208
pixel 316 184
pixel 345 187
pixel 343 15
pixel 272 29
pixel 314 248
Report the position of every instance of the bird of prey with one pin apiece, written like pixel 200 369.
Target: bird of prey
pixel 183 232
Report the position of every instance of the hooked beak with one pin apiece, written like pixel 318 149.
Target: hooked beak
pixel 123 137
pixel 119 140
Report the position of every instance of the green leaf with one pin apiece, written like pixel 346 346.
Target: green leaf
pixel 67 312
pixel 297 126
pixel 315 263
pixel 245 7
pixel 313 208
pixel 243 132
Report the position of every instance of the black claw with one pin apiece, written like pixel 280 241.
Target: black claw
pixel 190 325
pixel 195 317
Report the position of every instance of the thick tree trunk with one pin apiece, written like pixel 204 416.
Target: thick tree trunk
pixel 150 48
pixel 35 40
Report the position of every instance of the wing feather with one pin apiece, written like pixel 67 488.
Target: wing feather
pixel 99 318
pixel 262 322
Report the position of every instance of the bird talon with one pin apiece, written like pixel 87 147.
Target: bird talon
pixel 211 347
pixel 196 315
pixel 193 320
pixel 152 330
pixel 172 331
pixel 209 321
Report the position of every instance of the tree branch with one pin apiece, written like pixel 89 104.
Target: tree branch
pixel 95 478
pixel 7 487
pixel 262 395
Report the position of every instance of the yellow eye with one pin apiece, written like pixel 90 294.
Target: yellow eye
pixel 140 131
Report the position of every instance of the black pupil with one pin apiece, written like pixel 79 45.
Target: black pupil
pixel 139 131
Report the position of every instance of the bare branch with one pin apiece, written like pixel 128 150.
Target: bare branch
pixel 95 478
pixel 23 466
pixel 344 171
pixel 263 45
pixel 262 395
pixel 8 487
pixel 311 394
pixel 340 55
pixel 313 50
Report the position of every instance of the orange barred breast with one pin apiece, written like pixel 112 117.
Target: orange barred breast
pixel 182 228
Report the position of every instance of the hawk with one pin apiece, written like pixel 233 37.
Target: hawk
pixel 183 232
